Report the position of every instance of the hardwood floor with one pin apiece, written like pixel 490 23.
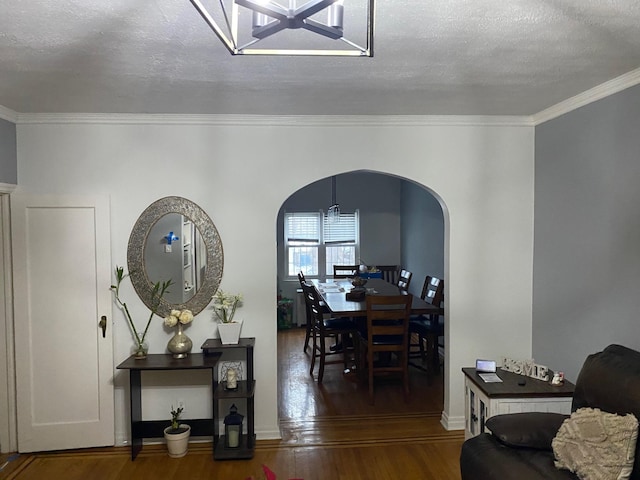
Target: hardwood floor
pixel 301 396
pixel 329 432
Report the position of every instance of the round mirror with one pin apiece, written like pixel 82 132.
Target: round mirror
pixel 174 239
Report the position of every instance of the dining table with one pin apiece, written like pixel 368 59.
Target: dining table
pixel 334 295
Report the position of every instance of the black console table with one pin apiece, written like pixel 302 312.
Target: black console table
pixel 140 429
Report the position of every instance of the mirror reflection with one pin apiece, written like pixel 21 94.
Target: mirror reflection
pixel 175 239
pixel 175 250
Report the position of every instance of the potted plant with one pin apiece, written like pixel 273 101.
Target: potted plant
pixel 177 435
pixel 158 291
pixel 224 307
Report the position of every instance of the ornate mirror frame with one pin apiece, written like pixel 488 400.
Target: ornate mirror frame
pixel 212 241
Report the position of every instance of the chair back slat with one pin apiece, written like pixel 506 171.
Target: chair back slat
pixel 389 273
pixel 433 290
pixel 388 315
pixel 404 279
pixel 344 271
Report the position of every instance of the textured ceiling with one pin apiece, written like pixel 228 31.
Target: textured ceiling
pixel 482 57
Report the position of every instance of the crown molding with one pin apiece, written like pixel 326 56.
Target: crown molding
pixel 275 120
pixel 9 115
pixel 603 90
pixel 599 92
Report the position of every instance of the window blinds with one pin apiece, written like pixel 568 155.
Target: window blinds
pixel 342 231
pixel 303 227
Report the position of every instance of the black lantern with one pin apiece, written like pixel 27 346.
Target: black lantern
pixel 233 428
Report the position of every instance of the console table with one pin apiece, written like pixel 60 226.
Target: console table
pixel 484 400
pixel 140 429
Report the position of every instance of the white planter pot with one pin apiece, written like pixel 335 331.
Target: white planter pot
pixel 177 443
pixel 230 332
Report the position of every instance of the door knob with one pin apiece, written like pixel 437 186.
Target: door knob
pixel 103 325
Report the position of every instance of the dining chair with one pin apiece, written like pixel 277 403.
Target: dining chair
pixel 345 271
pixel 323 328
pixel 308 325
pixel 428 328
pixel 389 273
pixel 387 333
pixel 404 279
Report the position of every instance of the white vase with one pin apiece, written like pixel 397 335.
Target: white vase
pixel 177 443
pixel 230 332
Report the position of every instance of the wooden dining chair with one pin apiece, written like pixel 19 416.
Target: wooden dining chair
pixel 323 328
pixel 345 271
pixel 309 330
pixel 428 328
pixel 389 273
pixel 404 279
pixel 308 325
pixel 386 334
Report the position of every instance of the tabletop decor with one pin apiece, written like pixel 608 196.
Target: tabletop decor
pixel 224 307
pixel 180 344
pixel 177 435
pixel 158 291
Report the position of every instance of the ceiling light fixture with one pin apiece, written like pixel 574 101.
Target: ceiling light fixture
pixel 249 27
pixel 333 214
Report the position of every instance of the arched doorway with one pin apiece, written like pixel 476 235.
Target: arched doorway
pixel 401 223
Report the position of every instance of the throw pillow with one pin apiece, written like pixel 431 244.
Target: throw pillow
pixel 597 445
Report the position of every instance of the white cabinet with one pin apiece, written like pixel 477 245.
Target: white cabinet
pixel 484 400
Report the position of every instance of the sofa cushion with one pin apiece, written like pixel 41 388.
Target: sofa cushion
pixel 484 457
pixel 526 430
pixel 597 445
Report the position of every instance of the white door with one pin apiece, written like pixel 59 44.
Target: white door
pixel 64 364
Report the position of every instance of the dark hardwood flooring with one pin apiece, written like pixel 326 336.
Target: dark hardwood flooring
pixel 329 432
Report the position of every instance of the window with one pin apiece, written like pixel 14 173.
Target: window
pixel 314 243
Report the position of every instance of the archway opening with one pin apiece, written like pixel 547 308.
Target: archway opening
pixel 400 223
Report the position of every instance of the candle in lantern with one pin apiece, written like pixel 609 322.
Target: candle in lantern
pixel 232 379
pixel 234 437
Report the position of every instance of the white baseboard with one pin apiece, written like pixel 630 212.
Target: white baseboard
pixel 452 423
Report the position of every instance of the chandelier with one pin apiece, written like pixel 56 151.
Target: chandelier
pixel 301 27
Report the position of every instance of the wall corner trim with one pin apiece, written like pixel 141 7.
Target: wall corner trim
pixel 603 90
pixel 8 114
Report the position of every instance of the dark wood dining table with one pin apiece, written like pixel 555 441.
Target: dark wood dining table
pixel 334 291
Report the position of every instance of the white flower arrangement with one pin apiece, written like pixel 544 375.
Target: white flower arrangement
pixel 182 316
pixel 225 305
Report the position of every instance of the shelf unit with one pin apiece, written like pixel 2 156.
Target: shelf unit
pixel 246 391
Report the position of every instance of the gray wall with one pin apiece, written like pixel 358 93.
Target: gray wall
pixel 586 270
pixel 422 235
pixel 8 153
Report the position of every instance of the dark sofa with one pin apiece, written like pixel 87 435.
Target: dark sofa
pixel 519 445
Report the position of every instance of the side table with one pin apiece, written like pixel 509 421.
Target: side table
pixel 140 429
pixel 484 400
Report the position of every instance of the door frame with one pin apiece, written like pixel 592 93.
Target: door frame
pixel 8 418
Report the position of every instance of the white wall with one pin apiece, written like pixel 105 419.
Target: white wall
pixel 241 175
